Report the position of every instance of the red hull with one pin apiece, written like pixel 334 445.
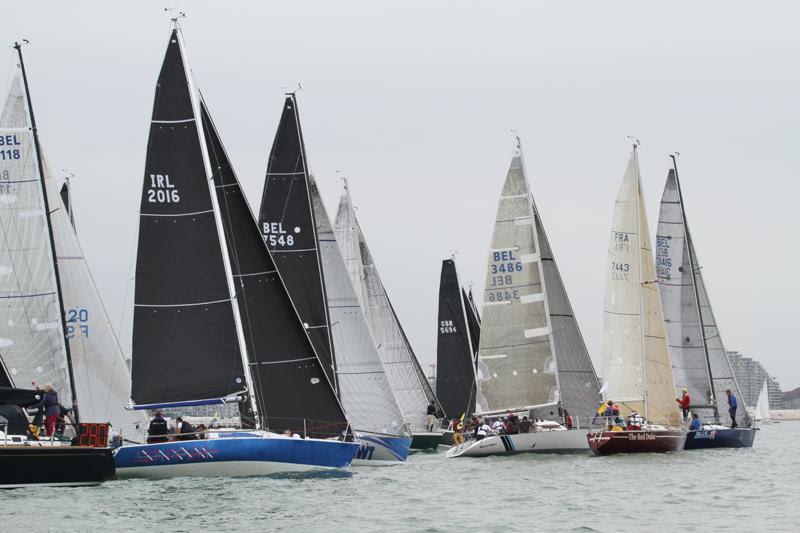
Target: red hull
pixel 642 441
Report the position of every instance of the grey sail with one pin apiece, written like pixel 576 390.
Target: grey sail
pixel 363 384
pixel 577 380
pixel 32 339
pixel 516 364
pixel 411 389
pixel 698 356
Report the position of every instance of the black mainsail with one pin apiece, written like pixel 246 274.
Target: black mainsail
pixel 287 223
pixel 185 341
pixel 455 348
pixel 289 384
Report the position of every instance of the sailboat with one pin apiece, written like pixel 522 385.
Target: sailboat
pixel 531 356
pixel 456 349
pixel 298 232
pixel 699 358
pixel 409 385
pixel 636 361
pixel 761 411
pixel 213 322
pixel 50 317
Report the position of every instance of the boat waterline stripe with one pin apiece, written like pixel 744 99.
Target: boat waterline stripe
pixel 175 214
pixel 182 121
pixel 185 305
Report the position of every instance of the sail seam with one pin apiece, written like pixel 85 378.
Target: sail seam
pixel 176 214
pixel 27 295
pixel 184 305
pixel 283 361
pixel 172 121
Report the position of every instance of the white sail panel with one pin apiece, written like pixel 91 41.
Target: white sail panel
pixel 399 361
pixel 516 367
pixel 31 333
pixel 102 378
pixel 367 398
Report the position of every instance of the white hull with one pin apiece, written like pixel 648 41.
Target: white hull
pixel 546 441
pixel 221 469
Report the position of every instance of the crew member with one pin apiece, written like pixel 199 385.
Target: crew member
pixel 684 402
pixel 695 424
pixel 185 430
pixel 52 409
pixel 158 430
pixel 732 406
pixel 431 416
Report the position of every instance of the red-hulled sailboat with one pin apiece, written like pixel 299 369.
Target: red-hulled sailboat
pixel 637 367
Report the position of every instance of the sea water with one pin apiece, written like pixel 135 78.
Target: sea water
pixel 755 489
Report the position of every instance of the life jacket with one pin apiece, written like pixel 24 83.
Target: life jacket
pixel 685 401
pixel 569 421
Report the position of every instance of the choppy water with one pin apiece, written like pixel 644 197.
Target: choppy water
pixel 704 490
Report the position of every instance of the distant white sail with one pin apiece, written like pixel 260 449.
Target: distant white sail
pixel 31 331
pixel 762 407
pixel 409 386
pixel 364 388
pixel 636 360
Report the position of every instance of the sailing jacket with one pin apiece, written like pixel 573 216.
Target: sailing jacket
pixel 732 401
pixel 50 404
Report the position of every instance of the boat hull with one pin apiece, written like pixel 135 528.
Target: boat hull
pixel 232 456
pixel 377 450
pixel 546 441
pixel 720 438
pixel 427 441
pixel 55 466
pixel 635 441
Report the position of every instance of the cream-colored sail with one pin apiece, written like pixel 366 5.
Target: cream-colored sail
pixel 636 363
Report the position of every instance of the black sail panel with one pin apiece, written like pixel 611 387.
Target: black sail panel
pixel 455 356
pixel 473 322
pixel 287 224
pixel 184 337
pixel 290 387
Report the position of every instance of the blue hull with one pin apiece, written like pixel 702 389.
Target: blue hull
pixel 228 455
pixel 381 449
pixel 720 438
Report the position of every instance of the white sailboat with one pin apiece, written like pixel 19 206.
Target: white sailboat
pixel 408 383
pixel 761 410
pixel 523 342
pixel 636 363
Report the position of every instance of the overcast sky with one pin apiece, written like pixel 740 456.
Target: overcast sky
pixel 415 105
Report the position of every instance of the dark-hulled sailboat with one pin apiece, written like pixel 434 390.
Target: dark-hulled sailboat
pixel 636 362
pixel 212 319
pixel 698 356
pixel 36 330
pixel 298 232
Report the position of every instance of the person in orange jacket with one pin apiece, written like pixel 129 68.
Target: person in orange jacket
pixel 684 402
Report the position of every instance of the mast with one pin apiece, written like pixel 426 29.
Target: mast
pixel 693 270
pixel 641 278
pixel 40 166
pixel 220 231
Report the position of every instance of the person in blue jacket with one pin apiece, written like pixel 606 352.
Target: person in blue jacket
pixel 52 408
pixel 732 405
pixel 695 424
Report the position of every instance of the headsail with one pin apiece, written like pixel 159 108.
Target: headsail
pixel 364 386
pixel 31 331
pixel 185 341
pixel 636 361
pixel 287 224
pixel 290 387
pixel 455 353
pixel 516 366
pixel 698 355
pixel 411 389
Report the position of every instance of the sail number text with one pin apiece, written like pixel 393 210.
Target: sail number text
pixel 503 265
pixel 275 235
pixel 620 271
pixel 162 191
pixel 77 322
pixel 8 154
pixel 663 260
pixel 447 326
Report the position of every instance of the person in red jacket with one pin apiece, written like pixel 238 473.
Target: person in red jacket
pixel 684 402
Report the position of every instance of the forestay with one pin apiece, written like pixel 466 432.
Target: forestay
pixel 411 389
pixel 698 355
pixel 636 361
pixel 365 390
pixel 31 329
pixel 516 367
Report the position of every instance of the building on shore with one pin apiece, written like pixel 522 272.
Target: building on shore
pixel 750 375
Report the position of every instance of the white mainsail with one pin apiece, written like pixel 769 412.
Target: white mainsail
pixel 102 378
pixel 31 331
pixel 699 358
pixel 364 388
pixel 636 362
pixel 762 407
pixel 516 366
pixel 410 388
